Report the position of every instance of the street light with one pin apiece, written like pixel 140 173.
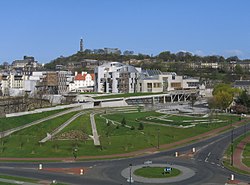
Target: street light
pixel 130 173
pixel 232 147
pixel 158 138
pixel 75 152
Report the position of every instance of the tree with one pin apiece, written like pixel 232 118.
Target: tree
pixel 193 99
pixel 223 99
pixel 238 70
pixel 141 126
pixel 123 122
pixel 223 95
pixel 239 109
pixel 243 99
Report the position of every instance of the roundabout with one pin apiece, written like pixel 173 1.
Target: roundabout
pixel 184 173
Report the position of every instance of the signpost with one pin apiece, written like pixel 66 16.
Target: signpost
pixel 167 170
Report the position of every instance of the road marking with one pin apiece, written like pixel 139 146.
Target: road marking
pixel 218 164
pixel 206 160
pixel 212 163
pixel 209 154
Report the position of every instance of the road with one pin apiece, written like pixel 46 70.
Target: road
pixel 207 164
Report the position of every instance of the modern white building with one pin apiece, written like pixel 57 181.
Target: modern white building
pixel 12 83
pixel 115 77
pixel 166 82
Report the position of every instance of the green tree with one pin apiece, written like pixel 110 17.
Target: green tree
pixel 223 99
pixel 141 126
pixel 123 122
pixel 223 95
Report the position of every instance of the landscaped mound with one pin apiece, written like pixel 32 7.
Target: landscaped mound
pixel 73 135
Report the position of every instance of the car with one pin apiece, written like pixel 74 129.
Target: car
pixel 147 163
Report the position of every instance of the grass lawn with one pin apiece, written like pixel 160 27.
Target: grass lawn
pixel 156 172
pixel 12 122
pixel 113 139
pixel 186 120
pixel 25 143
pixel 246 155
pixel 123 95
pixel 123 139
pixel 228 153
pixel 17 178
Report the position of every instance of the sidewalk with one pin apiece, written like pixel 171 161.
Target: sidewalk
pixel 131 154
pixel 238 155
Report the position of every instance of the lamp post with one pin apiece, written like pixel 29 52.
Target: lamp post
pixel 158 138
pixel 232 147
pixel 130 174
pixel 75 153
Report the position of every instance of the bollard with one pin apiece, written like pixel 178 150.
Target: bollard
pixel 193 150
pixel 176 154
pixel 81 171
pixel 40 167
pixel 232 177
pixel 54 182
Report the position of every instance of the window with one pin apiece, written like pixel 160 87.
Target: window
pixel 157 85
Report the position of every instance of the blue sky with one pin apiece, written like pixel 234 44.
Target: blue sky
pixel 47 29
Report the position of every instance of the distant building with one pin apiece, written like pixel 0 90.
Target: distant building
pixel 127 53
pixel 115 77
pixel 27 65
pixel 166 82
pixel 64 78
pixel 243 85
pixel 112 51
pixel 12 84
pixel 82 82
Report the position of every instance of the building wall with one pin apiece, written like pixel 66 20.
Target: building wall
pixel 115 77
pixel 82 82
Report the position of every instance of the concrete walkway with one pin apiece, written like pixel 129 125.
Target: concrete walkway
pixel 61 127
pixel 94 130
pixel 238 155
pixel 185 174
pixel 16 182
pixel 10 131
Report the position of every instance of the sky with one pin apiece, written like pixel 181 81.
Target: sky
pixel 47 29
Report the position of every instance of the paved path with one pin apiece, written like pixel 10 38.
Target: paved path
pixel 16 182
pixel 61 127
pixel 10 131
pixel 185 174
pixel 238 155
pixel 94 130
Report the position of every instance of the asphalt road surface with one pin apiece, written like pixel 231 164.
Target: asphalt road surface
pixel 207 164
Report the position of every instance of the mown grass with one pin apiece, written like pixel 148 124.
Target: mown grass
pixel 228 153
pixel 246 155
pixel 17 178
pixel 113 139
pixel 187 120
pixel 156 172
pixel 12 122
pixel 25 143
